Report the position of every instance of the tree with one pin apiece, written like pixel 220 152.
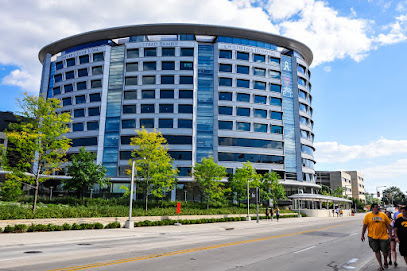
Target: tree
pixel 84 173
pixel 338 192
pixel 154 171
pixel 370 199
pixel 39 139
pixel 238 181
pixel 393 194
pixel 208 174
pixel 272 188
pixel 10 190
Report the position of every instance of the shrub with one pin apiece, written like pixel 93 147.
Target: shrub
pixel 98 225
pixel 66 226
pixel 20 228
pixel 51 227
pixel 113 225
pixel 59 228
pixel 8 229
pixel 1 229
pixel 75 227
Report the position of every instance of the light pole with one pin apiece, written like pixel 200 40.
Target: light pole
pixel 248 202
pixel 50 193
pixel 298 201
pixel 377 192
pixel 129 223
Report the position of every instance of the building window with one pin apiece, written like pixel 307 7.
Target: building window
pixel 59 65
pixel 82 72
pixel 95 97
pixel 303 107
pixel 225 68
pixel 243 126
pixel 243 83
pixel 80 99
pixel 98 57
pixel 301 69
pixel 57 90
pixel 132 53
pixel 259 72
pixel 90 141
pixel 303 95
pixel 261 128
pixel 274 61
pixel 242 56
pixel 259 58
pixel 184 123
pixel 149 66
pixel 92 125
pixel 260 113
pixel 66 101
pixel 276 115
pixel 225 125
pixel 226 82
pixel 167 79
pixel 167 94
pixel 150 51
pixel 70 62
pixel 225 96
pixel 186 80
pixel 77 127
pixel 186 94
pixel 130 95
pixel 93 111
pixel 276 129
pixel 132 67
pixel 168 51
pixel 275 75
pixel 84 59
pixel 303 120
pixel 260 99
pixel 241 97
pixel 68 88
pixel 129 109
pixel 148 80
pixel 225 54
pixel 275 101
pixel 166 108
pixel 181 155
pixel 147 108
pixel 165 123
pixel 147 123
pixel 260 85
pixel 167 65
pixel 81 85
pixel 96 83
pixel 185 109
pixel 187 51
pixel 186 66
pixel 69 75
pixel 57 78
pixel 301 81
pixel 275 88
pixel 225 110
pixel 148 94
pixel 243 69
pixel 126 124
pixel 97 70
pixel 243 112
pixel 78 113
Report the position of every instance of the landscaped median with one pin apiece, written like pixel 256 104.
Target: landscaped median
pixel 60 224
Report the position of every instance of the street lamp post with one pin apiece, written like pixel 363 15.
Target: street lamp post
pixel 129 223
pixel 298 202
pixel 50 193
pixel 248 202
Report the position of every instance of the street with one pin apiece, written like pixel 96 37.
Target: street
pixel 292 244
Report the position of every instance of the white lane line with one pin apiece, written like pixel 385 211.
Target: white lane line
pixel 347 266
pixel 353 233
pixel 304 249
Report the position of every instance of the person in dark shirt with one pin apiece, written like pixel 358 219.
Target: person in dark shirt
pixel 400 231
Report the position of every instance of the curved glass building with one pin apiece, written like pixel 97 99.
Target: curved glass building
pixel 234 94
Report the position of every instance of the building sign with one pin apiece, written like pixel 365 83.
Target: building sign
pixel 286 79
pixel 82 52
pixel 256 50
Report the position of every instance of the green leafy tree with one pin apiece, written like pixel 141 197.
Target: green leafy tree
pixel 209 174
pixel 338 192
pixel 10 190
pixel 272 188
pixel 238 181
pixel 85 173
pixel 154 171
pixel 370 199
pixel 393 194
pixel 39 139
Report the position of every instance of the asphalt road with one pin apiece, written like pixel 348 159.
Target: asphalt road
pixel 291 244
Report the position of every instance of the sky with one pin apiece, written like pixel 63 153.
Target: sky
pixel 358 71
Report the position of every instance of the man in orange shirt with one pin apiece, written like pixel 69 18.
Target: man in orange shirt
pixel 400 230
pixel 379 234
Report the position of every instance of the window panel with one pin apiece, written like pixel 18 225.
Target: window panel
pixel 130 95
pixel 225 125
pixel 98 57
pixel 165 123
pixel 80 99
pixel 243 126
pixel 243 83
pixel 77 127
pixel 260 127
pixel 70 62
pixel 225 96
pixel 275 88
pixel 184 123
pixel 167 65
pixel 68 88
pixel 132 67
pixel 241 97
pixel 148 80
pixel 128 124
pixel 84 59
pixel 243 69
pixel 129 109
pixel 132 53
pixel 227 82
pixel 168 51
pixel 274 61
pixel 185 108
pixel 260 99
pixel 59 65
pixel 96 83
pixel 56 90
pixel 97 70
pixel 260 85
pixel 186 66
pixel 150 51
pixel 242 56
pixel 92 125
pixel 57 78
pixel 260 113
pixel 69 75
pixel 167 94
pixel 276 129
pixel 275 101
pixel 78 113
pixel 275 75
pixel 225 68
pixel 225 54
pixel 186 94
pixel 149 66
pixel 82 72
pixel 147 123
pixel 259 72
pixel 276 115
pixel 167 79
pixel 148 94
pixel 93 111
pixel 90 141
pixel 147 108
pixel 166 108
pixel 259 58
pixel 187 51
pixel 225 110
pixel 244 112
pixel 186 80
pixel 81 85
pixel 95 97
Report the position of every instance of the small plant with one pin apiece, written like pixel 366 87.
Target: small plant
pixel 8 229
pixel 66 226
pixel 98 225
pixel 1 229
pixel 113 225
pixel 51 227
pixel 20 228
pixel 75 227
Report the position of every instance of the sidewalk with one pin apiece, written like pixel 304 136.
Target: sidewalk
pixel 31 238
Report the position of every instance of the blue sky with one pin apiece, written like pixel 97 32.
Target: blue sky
pixel 358 72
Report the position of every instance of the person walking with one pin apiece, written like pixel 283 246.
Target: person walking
pixel 392 242
pixel 271 214
pixel 396 213
pixel 277 214
pixel 337 211
pixel 267 213
pixel 379 234
pixel 400 231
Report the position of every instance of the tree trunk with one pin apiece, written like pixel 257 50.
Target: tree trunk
pixel 37 185
pixel 146 198
pixel 207 204
pixel 83 195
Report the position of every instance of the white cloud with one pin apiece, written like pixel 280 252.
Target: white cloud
pixel 396 33
pixel 22 79
pixel 327 68
pixel 353 12
pixel 331 152
pixel 283 9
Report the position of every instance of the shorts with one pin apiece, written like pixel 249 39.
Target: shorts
pixel 379 244
pixel 403 249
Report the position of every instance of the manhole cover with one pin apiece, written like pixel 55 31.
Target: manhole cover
pixel 33 251
pixel 84 244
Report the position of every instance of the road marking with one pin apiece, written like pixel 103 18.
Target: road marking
pixel 152 256
pixel 348 267
pixel 353 233
pixel 304 249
